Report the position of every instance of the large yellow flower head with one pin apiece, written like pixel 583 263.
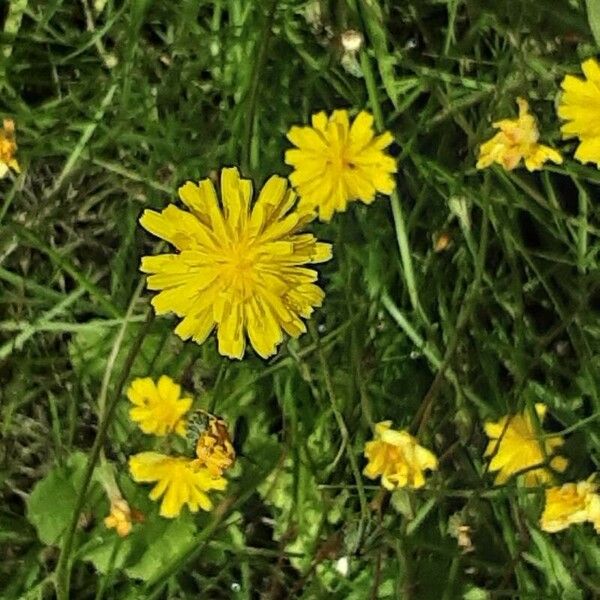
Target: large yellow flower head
pixel 515 447
pixel 396 457
pixel 568 504
pixel 516 140
pixel 158 408
pixel 579 105
pixel 8 148
pixel 239 267
pixel 335 162
pixel 180 481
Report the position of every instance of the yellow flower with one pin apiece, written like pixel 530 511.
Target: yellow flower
pixel 180 480
pixel 121 517
pixel 8 148
pixel 159 408
pixel 579 105
pixel 214 448
pixel 335 162
pixel 514 447
pixel 396 456
pixel 237 268
pixel 568 504
pixel 516 140
pixel 593 509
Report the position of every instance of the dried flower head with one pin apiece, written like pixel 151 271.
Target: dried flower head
pixel 122 516
pixel 8 148
pixel 517 140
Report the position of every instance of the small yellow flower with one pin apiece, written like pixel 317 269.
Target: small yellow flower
pixel 214 448
pixel 593 509
pixel 568 504
pixel 180 480
pixel 516 140
pixel 579 105
pixel 335 162
pixel 515 447
pixel 239 268
pixel 396 456
pixel 122 516
pixel 158 408
pixel 8 148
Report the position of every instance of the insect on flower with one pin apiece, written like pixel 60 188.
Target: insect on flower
pixel 213 446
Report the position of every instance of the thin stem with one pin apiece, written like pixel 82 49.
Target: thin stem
pixel 463 318
pixel 63 568
pixel 341 423
pixel 250 112
pixel 398 215
pixel 430 352
pixel 112 358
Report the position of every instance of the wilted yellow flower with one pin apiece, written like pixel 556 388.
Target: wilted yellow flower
pixel 396 456
pixel 214 448
pixel 568 504
pixel 579 105
pixel 335 162
pixel 122 516
pixel 159 408
pixel 238 267
pixel 180 480
pixel 8 148
pixel 516 140
pixel 515 446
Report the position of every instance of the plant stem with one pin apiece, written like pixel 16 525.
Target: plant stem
pixel 63 568
pixel 250 112
pixel 398 215
pixel 341 424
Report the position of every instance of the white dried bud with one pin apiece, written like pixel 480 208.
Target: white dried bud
pixel 352 40
pixel 342 566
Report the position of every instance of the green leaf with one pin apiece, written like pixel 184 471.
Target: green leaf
pixel 90 348
pixel 52 501
pixel 555 571
pixel 299 506
pixel 162 537
pixel 593 12
pixel 142 552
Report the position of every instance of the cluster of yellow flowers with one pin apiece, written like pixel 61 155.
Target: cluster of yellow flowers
pixel 159 409
pixel 517 448
pixel 240 266
pixel 240 269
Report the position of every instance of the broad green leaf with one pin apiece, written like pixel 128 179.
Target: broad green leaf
pixel 593 12
pixel 141 553
pixel 90 348
pixel 52 500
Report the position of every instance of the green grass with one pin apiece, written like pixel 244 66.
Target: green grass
pixel 116 103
